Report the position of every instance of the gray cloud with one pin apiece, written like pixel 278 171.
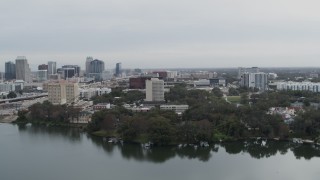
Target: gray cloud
pixel 180 33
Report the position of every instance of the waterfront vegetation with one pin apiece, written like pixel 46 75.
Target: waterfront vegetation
pixel 209 117
pixel 48 114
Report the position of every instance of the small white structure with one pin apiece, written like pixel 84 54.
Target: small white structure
pixel 101 106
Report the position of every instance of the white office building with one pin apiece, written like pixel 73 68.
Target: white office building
pixel 299 86
pixel 176 108
pixel 154 90
pixel 255 80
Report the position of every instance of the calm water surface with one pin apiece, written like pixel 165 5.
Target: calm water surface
pixel 39 153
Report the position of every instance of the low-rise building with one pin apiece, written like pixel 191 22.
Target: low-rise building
pixel 218 81
pixel 299 86
pixel 101 106
pixel 176 108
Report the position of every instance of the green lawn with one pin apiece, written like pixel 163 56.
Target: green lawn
pixel 234 99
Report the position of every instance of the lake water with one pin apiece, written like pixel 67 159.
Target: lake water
pixel 40 153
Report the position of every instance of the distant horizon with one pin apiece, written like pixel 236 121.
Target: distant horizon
pixel 162 34
pixel 34 67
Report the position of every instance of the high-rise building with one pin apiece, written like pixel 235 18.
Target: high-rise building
pixel 96 68
pixel 52 68
pixel 42 75
pixel 242 71
pixel 23 71
pixel 118 69
pixel 88 60
pixel 154 90
pixel 63 92
pixel 255 80
pixel 43 67
pixel 10 71
pixel 70 71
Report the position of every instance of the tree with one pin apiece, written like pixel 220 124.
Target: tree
pixel 244 99
pixel 217 92
pixel 161 131
pixel 11 95
pixel 233 92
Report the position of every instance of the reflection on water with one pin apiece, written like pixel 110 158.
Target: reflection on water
pixel 256 148
pixel 71 134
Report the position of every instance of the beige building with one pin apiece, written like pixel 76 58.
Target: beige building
pixel 57 93
pixel 72 92
pixel 63 92
pixel 154 90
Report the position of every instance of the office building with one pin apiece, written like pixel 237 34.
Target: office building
pixel 43 67
pixel 179 109
pixel 63 92
pixel 72 92
pixel 69 73
pixel 10 71
pixel 88 61
pixel 118 70
pixel 96 69
pixel 299 86
pixel 255 80
pixel 52 68
pixel 218 82
pixel 154 90
pixel 42 75
pixel 242 71
pixel 57 93
pixel 23 71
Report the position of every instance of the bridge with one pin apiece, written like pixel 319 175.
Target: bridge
pixel 23 98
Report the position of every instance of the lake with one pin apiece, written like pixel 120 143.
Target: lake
pixel 46 153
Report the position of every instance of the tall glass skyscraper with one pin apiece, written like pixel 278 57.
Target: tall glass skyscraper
pixel 23 71
pixel 118 69
pixel 52 67
pixel 10 71
pixel 96 68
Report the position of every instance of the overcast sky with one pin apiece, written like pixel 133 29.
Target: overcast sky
pixel 163 33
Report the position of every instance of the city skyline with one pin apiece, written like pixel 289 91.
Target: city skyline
pixel 164 34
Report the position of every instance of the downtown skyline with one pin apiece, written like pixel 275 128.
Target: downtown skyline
pixel 166 34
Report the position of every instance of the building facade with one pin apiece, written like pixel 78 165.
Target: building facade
pixel 63 92
pixel 255 80
pixel 154 90
pixel 43 67
pixel 71 71
pixel 42 75
pixel 57 93
pixel 72 92
pixel 96 69
pixel 138 82
pixel 52 68
pixel 23 71
pixel 118 70
pixel 88 61
pixel 10 71
pixel 299 86
pixel 176 108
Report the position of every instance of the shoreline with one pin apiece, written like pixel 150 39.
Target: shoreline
pixel 8 118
